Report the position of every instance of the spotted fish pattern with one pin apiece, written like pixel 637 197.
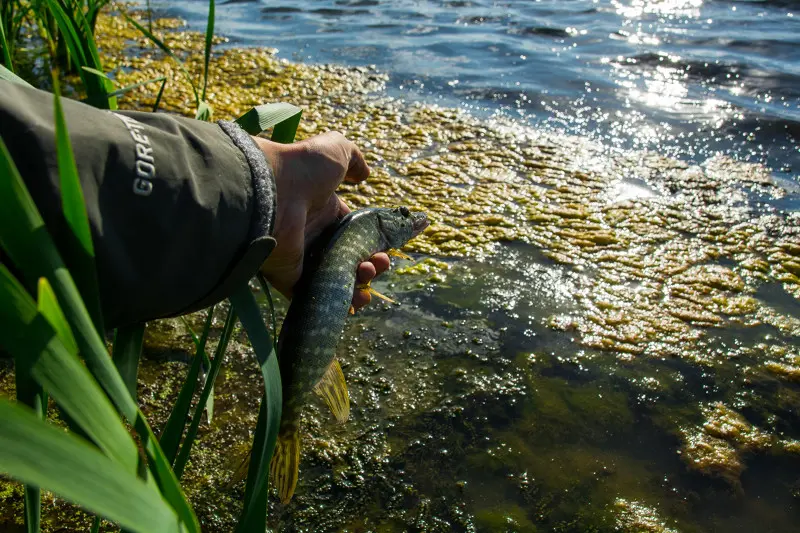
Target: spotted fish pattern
pixel 315 321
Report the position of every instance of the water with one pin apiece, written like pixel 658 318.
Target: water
pixel 685 77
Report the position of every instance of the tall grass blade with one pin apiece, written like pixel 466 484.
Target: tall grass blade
pixel 200 352
pixel 160 93
pixel 33 508
pixel 123 90
pixel 268 293
pixel 204 111
pixel 285 131
pixel 171 435
pixel 284 119
pixel 8 75
pixel 209 42
pixel 126 353
pixel 42 455
pixel 263 117
pixel 78 248
pixel 164 48
pixel 96 72
pixel 25 239
pixel 254 513
pixel 48 307
pixel 80 42
pixel 31 394
pixel 30 334
pixel 216 364
pixel 7 51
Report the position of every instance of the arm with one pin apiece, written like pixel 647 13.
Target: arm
pixel 180 210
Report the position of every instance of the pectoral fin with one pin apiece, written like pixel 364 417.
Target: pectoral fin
pixel 367 287
pixel 333 390
pixel 240 473
pixel 394 252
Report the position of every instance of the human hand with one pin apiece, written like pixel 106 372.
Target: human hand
pixel 307 174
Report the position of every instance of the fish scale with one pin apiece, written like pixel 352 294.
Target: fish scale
pixel 315 321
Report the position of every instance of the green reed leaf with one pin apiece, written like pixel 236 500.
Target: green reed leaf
pixel 4 45
pixel 8 75
pixel 285 131
pixel 31 394
pixel 200 352
pixel 123 90
pixel 216 364
pixel 77 247
pixel 42 455
pixel 79 40
pixel 209 42
pixel 97 72
pixel 268 293
pixel 254 513
pixel 171 435
pixel 164 48
pixel 126 353
pixel 160 93
pixel 264 117
pixel 204 111
pixel 25 239
pixel 284 119
pixel 30 334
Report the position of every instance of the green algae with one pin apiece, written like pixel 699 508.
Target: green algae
pixel 636 517
pixel 512 519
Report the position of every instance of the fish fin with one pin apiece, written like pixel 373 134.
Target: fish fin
pixel 381 296
pixel 333 390
pixel 351 311
pixel 369 289
pixel 240 473
pixel 286 463
pixel 394 252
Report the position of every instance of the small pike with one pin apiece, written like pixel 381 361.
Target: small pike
pixel 315 321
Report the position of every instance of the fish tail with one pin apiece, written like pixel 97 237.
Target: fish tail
pixel 286 462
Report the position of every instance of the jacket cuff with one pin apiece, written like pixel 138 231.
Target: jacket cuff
pixel 260 242
pixel 264 193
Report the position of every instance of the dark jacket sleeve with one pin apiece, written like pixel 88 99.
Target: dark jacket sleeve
pixel 181 211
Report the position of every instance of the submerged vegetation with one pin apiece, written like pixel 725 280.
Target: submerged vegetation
pixel 619 371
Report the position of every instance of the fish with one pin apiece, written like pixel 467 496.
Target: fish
pixel 316 318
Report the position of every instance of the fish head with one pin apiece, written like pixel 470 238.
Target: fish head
pixel 400 225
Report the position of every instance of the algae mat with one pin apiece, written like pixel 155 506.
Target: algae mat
pixel 591 340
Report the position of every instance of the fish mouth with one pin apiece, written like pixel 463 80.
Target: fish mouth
pixel 419 221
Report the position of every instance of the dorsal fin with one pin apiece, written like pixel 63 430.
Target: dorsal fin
pixel 333 390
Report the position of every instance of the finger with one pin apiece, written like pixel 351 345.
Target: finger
pixel 365 272
pixel 343 209
pixel 381 262
pixel 361 298
pixel 357 168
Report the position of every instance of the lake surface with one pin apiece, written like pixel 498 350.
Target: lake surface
pixel 685 77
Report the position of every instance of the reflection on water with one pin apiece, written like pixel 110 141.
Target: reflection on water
pixel 689 78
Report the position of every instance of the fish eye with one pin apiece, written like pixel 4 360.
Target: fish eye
pixel 404 211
